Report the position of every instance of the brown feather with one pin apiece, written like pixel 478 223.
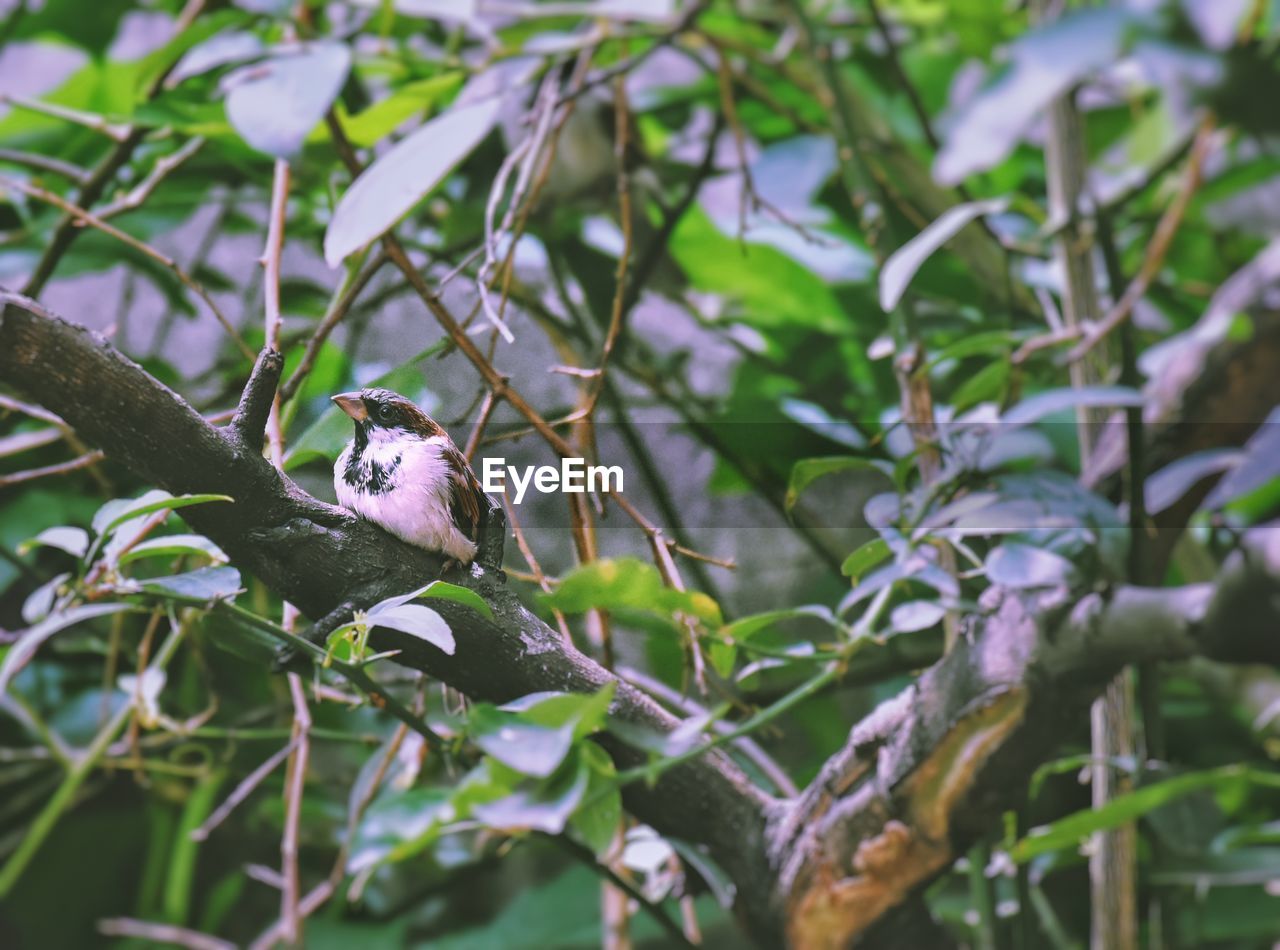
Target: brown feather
pixel 466 503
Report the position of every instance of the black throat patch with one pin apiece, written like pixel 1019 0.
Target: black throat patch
pixel 363 473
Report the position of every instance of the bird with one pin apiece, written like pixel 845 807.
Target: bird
pixel 404 473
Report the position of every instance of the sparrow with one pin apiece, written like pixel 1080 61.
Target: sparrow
pixel 404 473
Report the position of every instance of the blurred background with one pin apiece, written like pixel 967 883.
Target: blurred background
pixel 750 251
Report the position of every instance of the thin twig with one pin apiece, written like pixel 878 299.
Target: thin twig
pixel 163 166
pixel 689 707
pixel 1046 341
pixel 352 672
pixel 9 404
pixel 584 855
pixel 85 217
pixel 1112 861
pixel 265 875
pixel 82 765
pixel 45 163
pixel 271 295
pixel 67 231
pixel 904 81
pixel 61 468
pixel 307 906
pixel 1165 231
pixel 622 132
pixel 161 933
pixel 671 577
pixel 90 120
pixel 243 791
pixel 486 412
pixel 625 66
pixel 290 913
pixel 562 622
pixel 21 442
pixel 336 313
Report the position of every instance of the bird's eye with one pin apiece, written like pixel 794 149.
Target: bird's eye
pixel 386 413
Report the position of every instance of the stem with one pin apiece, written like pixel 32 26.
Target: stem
pixel 354 674
pixel 1112 865
pixel 762 718
pixel 85 763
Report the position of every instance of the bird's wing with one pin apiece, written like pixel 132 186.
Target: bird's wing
pixel 466 500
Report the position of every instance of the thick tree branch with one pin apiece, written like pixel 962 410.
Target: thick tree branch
pixel 319 557
pixel 250 421
pixel 926 774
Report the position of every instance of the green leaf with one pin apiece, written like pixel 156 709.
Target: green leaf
pixel 1044 62
pixel 196 587
pixel 626 582
pixel 563 913
pixel 528 748
pixel 462 595
pixel 985 385
pixel 1167 486
pixel 585 712
pixel 1020 565
pixel 1058 400
pixel 976 344
pixel 40 602
pixel 744 628
pixel 99 87
pixel 598 818
pixel 534 734
pixel 417 621
pixel 399 826
pixel 89 25
pixel 806 471
pixel 75 541
pixel 222 49
pixel 30 640
pixel 915 615
pixel 275 103
pixel 175 545
pixel 397 181
pixel 1069 832
pixel 906 260
pixel 1255 504
pixel 654 11
pixel 110 518
pixel 182 50
pixel 865 557
pixel 448 10
pixel 544 806
pixel 768 287
pixel 372 125
pixel 228 631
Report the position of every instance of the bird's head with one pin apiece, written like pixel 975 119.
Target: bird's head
pixel 380 412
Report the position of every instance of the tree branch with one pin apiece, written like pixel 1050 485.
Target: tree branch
pixel 250 421
pixel 318 557
pixel 927 773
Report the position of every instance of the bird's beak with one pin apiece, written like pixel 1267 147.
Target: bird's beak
pixel 352 405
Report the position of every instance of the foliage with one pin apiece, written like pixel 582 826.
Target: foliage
pixel 773 225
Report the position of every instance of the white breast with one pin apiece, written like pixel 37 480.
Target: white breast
pixel 415 508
